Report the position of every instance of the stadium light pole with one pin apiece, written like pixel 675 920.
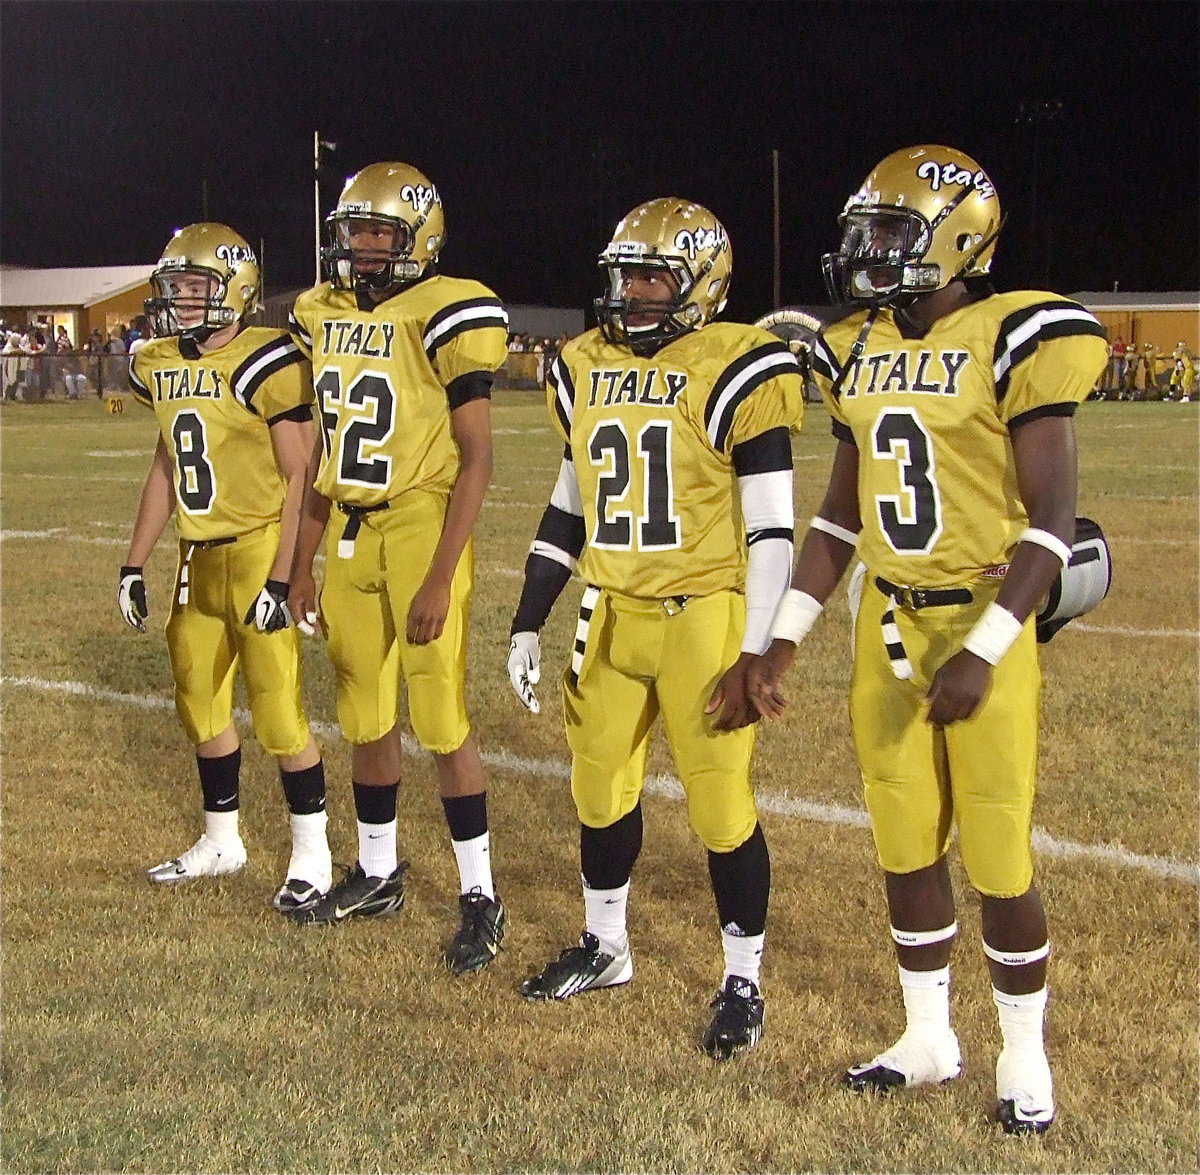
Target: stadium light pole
pixel 318 144
pixel 775 194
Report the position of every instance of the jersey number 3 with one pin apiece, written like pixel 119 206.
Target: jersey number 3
pixel 610 451
pixel 912 519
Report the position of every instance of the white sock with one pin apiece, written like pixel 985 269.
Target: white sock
pixel 604 916
pixel 377 848
pixel 474 865
pixel 308 833
pixel 1022 1019
pixel 743 955
pixel 222 828
pixel 926 1001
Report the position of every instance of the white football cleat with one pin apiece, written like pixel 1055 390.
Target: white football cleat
pixel 1025 1091
pixel 309 876
pixel 204 859
pixel 912 1060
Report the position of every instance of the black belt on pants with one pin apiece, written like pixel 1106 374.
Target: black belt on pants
pixel 917 598
pixel 208 544
pixel 354 517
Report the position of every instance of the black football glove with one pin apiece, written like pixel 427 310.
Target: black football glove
pixel 131 598
pixel 269 612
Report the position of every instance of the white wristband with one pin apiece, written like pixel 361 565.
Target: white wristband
pixel 993 634
pixel 796 614
pixel 1051 542
pixel 832 528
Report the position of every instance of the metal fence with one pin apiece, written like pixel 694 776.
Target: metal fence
pixel 34 378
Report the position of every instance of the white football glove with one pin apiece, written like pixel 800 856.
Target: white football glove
pixel 131 598
pixel 525 668
pixel 269 612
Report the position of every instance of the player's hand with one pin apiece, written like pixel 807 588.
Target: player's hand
pixel 731 697
pixel 269 612
pixel 764 676
pixel 131 598
pixel 525 668
pixel 957 688
pixel 302 602
pixel 427 613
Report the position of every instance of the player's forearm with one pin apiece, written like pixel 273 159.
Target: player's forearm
pixel 462 512
pixel 155 507
pixel 289 528
pixel 310 529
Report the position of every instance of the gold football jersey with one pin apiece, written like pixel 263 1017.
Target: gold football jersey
pixel 214 414
pixel 652 442
pixel 930 417
pixel 381 377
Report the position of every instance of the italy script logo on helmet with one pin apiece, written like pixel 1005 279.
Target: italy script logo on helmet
pixel 690 241
pixel 419 196
pixel 234 255
pixel 938 174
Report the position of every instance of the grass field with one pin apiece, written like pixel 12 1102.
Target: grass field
pixel 149 1029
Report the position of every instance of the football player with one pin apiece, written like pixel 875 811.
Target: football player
pixel 403 358
pixel 234 410
pixel 674 502
pixel 954 479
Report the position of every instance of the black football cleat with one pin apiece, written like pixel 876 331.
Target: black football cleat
pixel 480 932
pixel 737 1021
pixel 356 896
pixel 579 968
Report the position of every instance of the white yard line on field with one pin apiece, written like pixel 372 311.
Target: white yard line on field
pixel 1117 630
pixel 667 786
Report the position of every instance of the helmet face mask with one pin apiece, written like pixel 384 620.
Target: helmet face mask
pixel 207 279
pixel 925 217
pixel 359 256
pixel 678 251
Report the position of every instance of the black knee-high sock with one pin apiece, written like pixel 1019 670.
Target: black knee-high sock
pixel 607 855
pixel 219 781
pixel 741 883
pixel 304 790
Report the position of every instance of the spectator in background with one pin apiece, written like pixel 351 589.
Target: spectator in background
pixel 116 375
pixel 10 364
pixel 33 344
pixel 70 367
pixel 139 338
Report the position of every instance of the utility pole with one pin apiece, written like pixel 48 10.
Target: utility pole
pixel 775 194
pixel 318 145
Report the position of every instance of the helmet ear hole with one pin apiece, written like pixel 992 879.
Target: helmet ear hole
pixel 964 242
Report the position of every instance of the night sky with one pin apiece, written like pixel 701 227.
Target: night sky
pixel 543 123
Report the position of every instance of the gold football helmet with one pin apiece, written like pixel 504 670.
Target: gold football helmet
pixel 394 195
pixel 924 217
pixel 206 279
pixel 688 242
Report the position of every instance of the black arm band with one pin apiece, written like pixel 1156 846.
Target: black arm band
pixel 475 385
pixel 562 529
pixel 769 452
pixel 544 582
pixel 300 413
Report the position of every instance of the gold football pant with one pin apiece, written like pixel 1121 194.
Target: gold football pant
pixel 979 773
pixel 635 660
pixel 208 641
pixel 364 605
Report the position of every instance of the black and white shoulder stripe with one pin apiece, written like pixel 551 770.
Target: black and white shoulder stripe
pixel 299 330
pixel 259 365
pixel 738 381
pixel 138 385
pixel 824 361
pixel 458 317
pixel 559 379
pixel 1022 331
